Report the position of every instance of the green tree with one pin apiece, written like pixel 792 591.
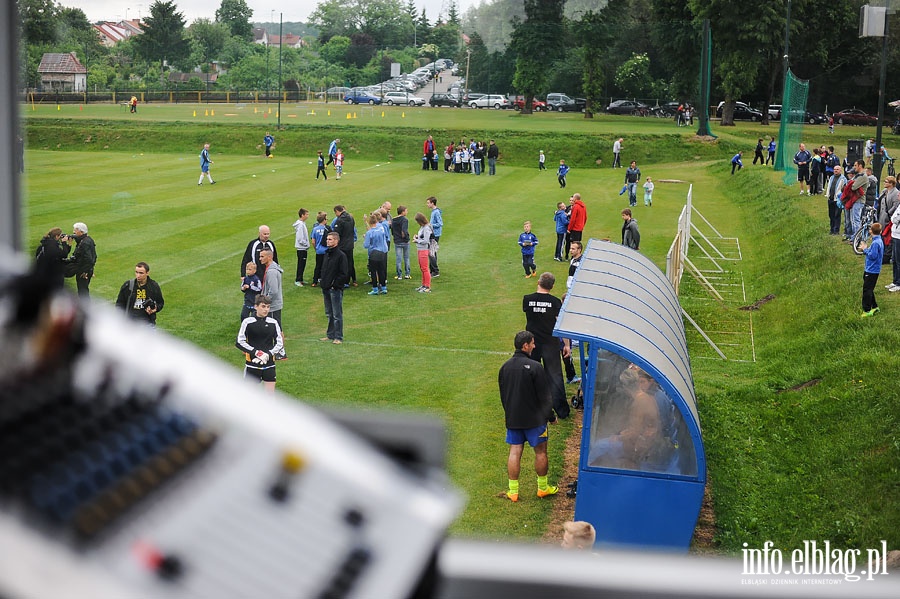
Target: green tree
pixel 453 13
pixel 207 40
pixel 335 50
pixel 447 38
pixel 385 22
pixel 236 15
pixel 537 40
pixel 39 19
pixel 590 32
pixel 163 37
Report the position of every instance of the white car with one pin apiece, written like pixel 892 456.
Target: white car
pixel 403 99
pixel 491 101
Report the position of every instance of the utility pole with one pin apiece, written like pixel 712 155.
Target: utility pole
pixel 468 56
pixel 280 46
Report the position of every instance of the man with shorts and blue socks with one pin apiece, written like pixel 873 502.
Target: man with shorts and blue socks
pixel 525 395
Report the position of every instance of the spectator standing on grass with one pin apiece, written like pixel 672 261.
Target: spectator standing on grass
pixel 335 275
pixel 81 263
pixel 576 250
pixel 320 166
pixel 376 242
pixel 332 150
pixel 758 155
pixel 854 196
pixel 527 242
pixel 260 339
pixel 894 287
pixel 262 242
pixel 400 233
pixel 736 162
pixel 617 150
pixel 833 194
pixel 301 244
pixel 251 285
pixel 49 257
pixel 771 155
pixel 493 153
pixel 816 169
pixel 268 141
pixel 141 298
pixel 272 288
pixel 869 150
pixel 205 163
pixel 561 218
pixel 527 408
pixel 429 154
pixel 478 157
pixel 632 176
pixel 561 173
pixel 436 220
pixel 801 159
pixel 319 231
pixel 631 237
pixel 449 151
pixel 648 192
pixel 541 160
pixel 133 104
pixel 345 226
pixel 577 218
pixel 541 309
pixel 339 164
pixel 874 254
pixel 422 240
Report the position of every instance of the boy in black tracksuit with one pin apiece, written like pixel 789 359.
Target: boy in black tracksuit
pixel 260 339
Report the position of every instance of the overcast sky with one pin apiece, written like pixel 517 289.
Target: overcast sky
pixel 263 10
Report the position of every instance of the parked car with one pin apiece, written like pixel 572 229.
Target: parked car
pixel 403 99
pixel 855 116
pixel 518 102
pixel 490 101
pixel 444 100
pixel 563 103
pixel 360 97
pixel 774 112
pixel 742 112
pixel 631 107
pixel 472 96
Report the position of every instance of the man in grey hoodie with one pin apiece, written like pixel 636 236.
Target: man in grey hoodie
pixel 631 237
pixel 271 282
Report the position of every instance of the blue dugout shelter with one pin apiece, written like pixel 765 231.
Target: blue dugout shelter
pixel 642 469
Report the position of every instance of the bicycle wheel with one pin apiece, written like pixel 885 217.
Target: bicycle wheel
pixel 891 172
pixel 862 237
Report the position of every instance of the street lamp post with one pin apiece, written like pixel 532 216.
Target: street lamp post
pixel 874 28
pixel 468 56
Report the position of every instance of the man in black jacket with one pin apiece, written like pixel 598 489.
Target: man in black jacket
pixel 140 297
pixel 525 395
pixel 493 152
pixel 251 254
pixel 335 274
pixel 345 227
pixel 81 263
pixel 541 310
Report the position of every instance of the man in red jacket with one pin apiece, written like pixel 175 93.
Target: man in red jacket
pixel 429 157
pixel 578 218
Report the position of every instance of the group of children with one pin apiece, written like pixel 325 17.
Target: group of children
pixel 465 158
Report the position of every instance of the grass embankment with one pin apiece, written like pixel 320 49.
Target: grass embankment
pixel 820 463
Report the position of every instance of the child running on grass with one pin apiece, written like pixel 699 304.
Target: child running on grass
pixel 561 173
pixel 527 241
pixel 648 192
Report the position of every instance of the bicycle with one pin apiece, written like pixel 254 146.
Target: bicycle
pixel 863 235
pixel 891 171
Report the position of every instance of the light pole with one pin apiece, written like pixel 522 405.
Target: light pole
pixel 468 56
pixel 875 24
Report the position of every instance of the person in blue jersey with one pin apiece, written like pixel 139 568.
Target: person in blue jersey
pixel 332 151
pixel 317 236
pixel 205 163
pixel 528 241
pixel 268 141
pixel 436 220
pixel 802 159
pixel 561 173
pixel 376 242
pixel 874 254
pixel 561 218
pixel 771 149
pixel 320 166
pixel 736 162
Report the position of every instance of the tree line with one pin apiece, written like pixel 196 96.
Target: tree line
pixel 598 50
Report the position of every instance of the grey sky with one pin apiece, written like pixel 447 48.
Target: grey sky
pixel 263 10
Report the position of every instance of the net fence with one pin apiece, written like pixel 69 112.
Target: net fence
pixel 793 115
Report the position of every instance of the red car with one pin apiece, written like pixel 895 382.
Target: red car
pixel 518 103
pixel 855 116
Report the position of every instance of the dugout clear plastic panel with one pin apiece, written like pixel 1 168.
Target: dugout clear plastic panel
pixel 634 423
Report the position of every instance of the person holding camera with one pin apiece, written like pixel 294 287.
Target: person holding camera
pixel 140 297
pixel 81 263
